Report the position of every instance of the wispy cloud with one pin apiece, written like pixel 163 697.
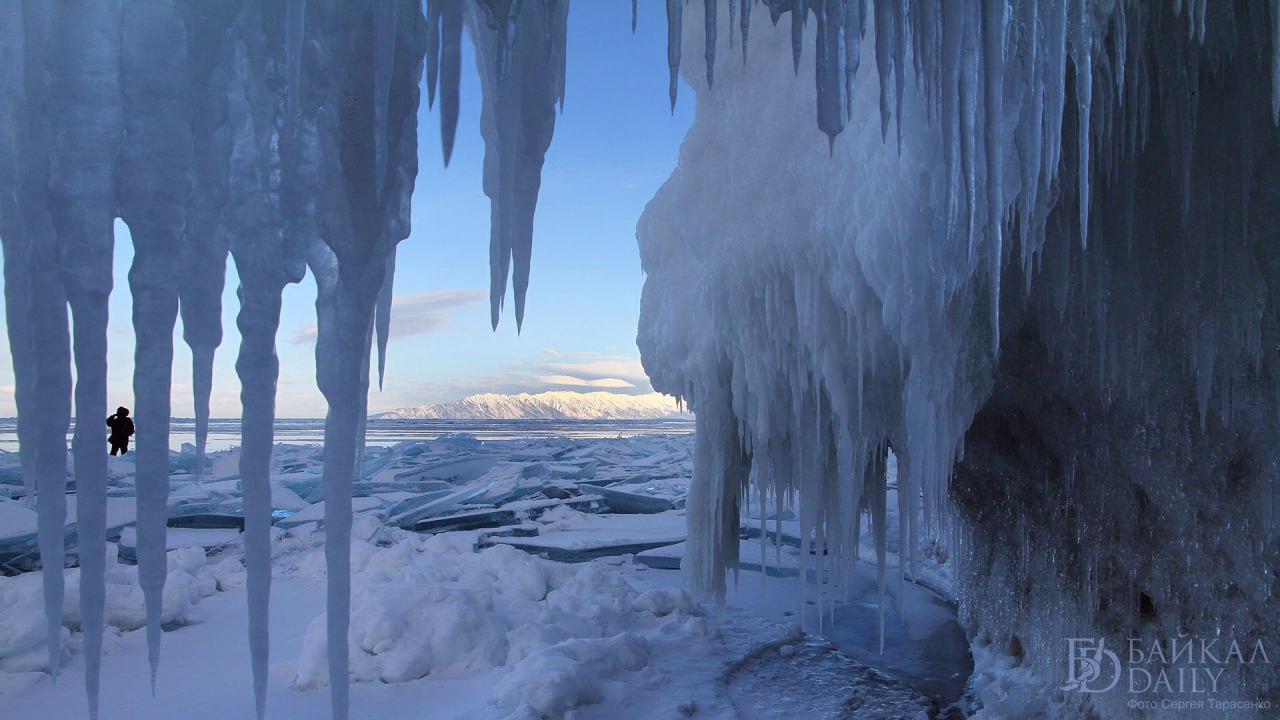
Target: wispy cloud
pixel 590 370
pixel 593 366
pixel 571 381
pixel 414 314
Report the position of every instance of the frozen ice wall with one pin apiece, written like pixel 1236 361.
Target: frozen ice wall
pixel 1038 262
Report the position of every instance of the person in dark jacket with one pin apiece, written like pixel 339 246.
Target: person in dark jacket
pixel 121 429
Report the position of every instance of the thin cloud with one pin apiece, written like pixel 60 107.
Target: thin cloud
pixel 591 370
pixel 599 367
pixel 571 381
pixel 414 314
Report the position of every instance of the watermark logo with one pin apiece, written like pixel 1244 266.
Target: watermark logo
pixel 1092 667
pixel 1182 673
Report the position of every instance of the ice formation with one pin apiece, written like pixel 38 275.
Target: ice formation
pixel 1032 250
pixel 1037 262
pixel 208 128
pixel 520 54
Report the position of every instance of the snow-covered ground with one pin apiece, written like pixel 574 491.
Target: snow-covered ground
pixel 466 617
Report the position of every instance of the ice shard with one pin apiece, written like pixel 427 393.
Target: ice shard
pixel 28 236
pixel 450 13
pixel 517 121
pixel 382 319
pixel 88 113
pixel 271 182
pixel 362 228
pixel 204 261
pixel 15 143
pixel 157 167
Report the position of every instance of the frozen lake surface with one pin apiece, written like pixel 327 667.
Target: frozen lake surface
pixel 499 570
pixel 224 433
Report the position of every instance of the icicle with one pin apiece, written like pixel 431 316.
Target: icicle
pixel 517 129
pixel 53 385
pixel 745 21
pixel 884 58
pixel 733 14
pixel 15 141
pixel 1084 101
pixel 952 34
pixel 634 8
pixel 994 27
pixel 854 17
pixel 384 54
pixel 38 343
pixel 709 53
pixel 87 115
pixel 899 63
pixel 46 295
pixel 90 329
pixel 46 307
pixel 878 502
pixel 258 369
pixel 970 79
pixel 798 17
pixel 349 277
pixel 382 319
pixel 1275 61
pixel 431 10
pixel 830 81
pixel 324 268
pixel 362 421
pixel 201 302
pixel 204 260
pixel 675 22
pixel 339 463
pixel 906 534
pixel 450 72
pixel 155 179
pixel 295 29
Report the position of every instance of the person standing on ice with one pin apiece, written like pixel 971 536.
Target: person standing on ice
pixel 121 429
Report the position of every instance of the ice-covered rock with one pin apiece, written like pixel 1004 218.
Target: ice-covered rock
pixel 1046 257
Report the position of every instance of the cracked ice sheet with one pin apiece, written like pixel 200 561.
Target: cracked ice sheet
pixel 567 529
pixel 18 522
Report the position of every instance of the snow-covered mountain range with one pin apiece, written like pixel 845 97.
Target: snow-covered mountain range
pixel 554 405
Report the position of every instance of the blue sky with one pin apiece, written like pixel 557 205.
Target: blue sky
pixel 615 144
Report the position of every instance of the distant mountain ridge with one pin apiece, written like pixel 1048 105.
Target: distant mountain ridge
pixel 554 405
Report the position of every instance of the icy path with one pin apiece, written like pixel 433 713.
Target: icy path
pixel 811 679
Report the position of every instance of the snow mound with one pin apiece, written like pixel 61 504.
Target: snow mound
pixel 566 635
pixel 554 680
pixel 191 577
